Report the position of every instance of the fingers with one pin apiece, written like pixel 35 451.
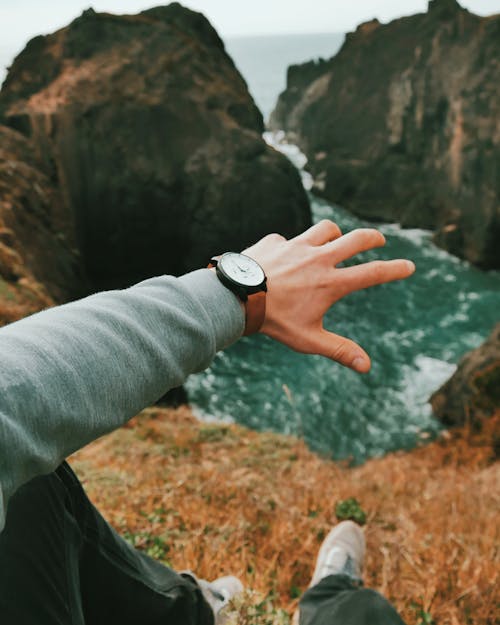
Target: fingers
pixel 355 242
pixel 376 272
pixel 342 350
pixel 319 234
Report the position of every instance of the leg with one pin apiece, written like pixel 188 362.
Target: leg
pixel 336 595
pixel 338 600
pixel 39 577
pixel 62 564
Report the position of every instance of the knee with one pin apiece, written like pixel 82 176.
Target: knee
pixel 376 608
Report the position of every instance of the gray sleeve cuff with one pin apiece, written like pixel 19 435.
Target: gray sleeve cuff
pixel 224 309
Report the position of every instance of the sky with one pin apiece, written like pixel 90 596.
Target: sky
pixel 22 19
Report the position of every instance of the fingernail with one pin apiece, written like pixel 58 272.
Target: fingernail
pixel 411 266
pixel 358 363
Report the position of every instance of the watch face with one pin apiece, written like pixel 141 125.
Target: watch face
pixel 242 269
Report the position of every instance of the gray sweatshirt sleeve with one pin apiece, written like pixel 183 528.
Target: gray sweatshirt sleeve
pixel 72 373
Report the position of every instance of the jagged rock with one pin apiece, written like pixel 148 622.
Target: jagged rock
pixel 402 124
pixel 473 392
pixel 33 247
pixel 154 140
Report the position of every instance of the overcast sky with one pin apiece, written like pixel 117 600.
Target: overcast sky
pixel 22 19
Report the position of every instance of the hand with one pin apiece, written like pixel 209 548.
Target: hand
pixel 303 283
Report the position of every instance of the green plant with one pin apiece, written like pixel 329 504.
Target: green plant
pixel 350 509
pixel 422 614
pixel 153 546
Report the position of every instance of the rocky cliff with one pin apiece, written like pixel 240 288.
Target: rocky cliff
pixel 473 392
pixel 155 144
pixel 34 253
pixel 404 124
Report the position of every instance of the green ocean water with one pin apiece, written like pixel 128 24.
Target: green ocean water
pixel 415 332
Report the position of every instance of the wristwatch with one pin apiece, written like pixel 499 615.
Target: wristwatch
pixel 245 278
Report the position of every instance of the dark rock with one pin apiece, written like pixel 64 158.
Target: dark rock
pixel 33 244
pixel 154 141
pixel 402 125
pixel 473 392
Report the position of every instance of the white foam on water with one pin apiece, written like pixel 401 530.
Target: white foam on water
pixel 415 235
pixel 423 378
pixel 420 237
pixel 277 140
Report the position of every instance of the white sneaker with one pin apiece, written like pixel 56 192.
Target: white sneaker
pixel 342 553
pixel 219 593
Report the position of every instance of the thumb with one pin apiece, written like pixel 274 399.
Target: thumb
pixel 342 350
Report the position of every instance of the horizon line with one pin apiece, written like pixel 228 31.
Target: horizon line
pixel 283 34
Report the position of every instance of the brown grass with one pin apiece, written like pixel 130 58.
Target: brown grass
pixel 21 298
pixel 221 499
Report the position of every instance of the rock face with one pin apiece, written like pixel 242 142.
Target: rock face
pixel 473 392
pixel 403 124
pixel 33 248
pixel 154 141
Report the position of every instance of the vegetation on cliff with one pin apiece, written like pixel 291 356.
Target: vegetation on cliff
pixel 221 499
pixel 33 249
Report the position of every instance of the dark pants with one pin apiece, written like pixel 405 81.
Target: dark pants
pixel 62 564
pixel 338 600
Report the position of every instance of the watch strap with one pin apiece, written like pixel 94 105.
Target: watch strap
pixel 255 312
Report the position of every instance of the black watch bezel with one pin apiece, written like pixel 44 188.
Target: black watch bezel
pixel 241 290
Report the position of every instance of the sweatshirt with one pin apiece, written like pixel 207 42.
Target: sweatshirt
pixel 72 373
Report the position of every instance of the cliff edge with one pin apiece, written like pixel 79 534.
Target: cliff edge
pixel 403 125
pixel 473 392
pixel 36 260
pixel 153 141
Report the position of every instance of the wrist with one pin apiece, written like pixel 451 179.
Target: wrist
pixel 244 276
pixel 240 302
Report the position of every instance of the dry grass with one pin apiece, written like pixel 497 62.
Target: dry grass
pixel 21 298
pixel 221 499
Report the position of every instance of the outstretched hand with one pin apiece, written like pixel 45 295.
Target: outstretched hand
pixel 304 282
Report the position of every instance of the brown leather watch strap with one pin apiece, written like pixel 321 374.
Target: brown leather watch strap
pixel 255 312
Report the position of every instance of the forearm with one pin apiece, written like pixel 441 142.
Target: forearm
pixel 72 373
